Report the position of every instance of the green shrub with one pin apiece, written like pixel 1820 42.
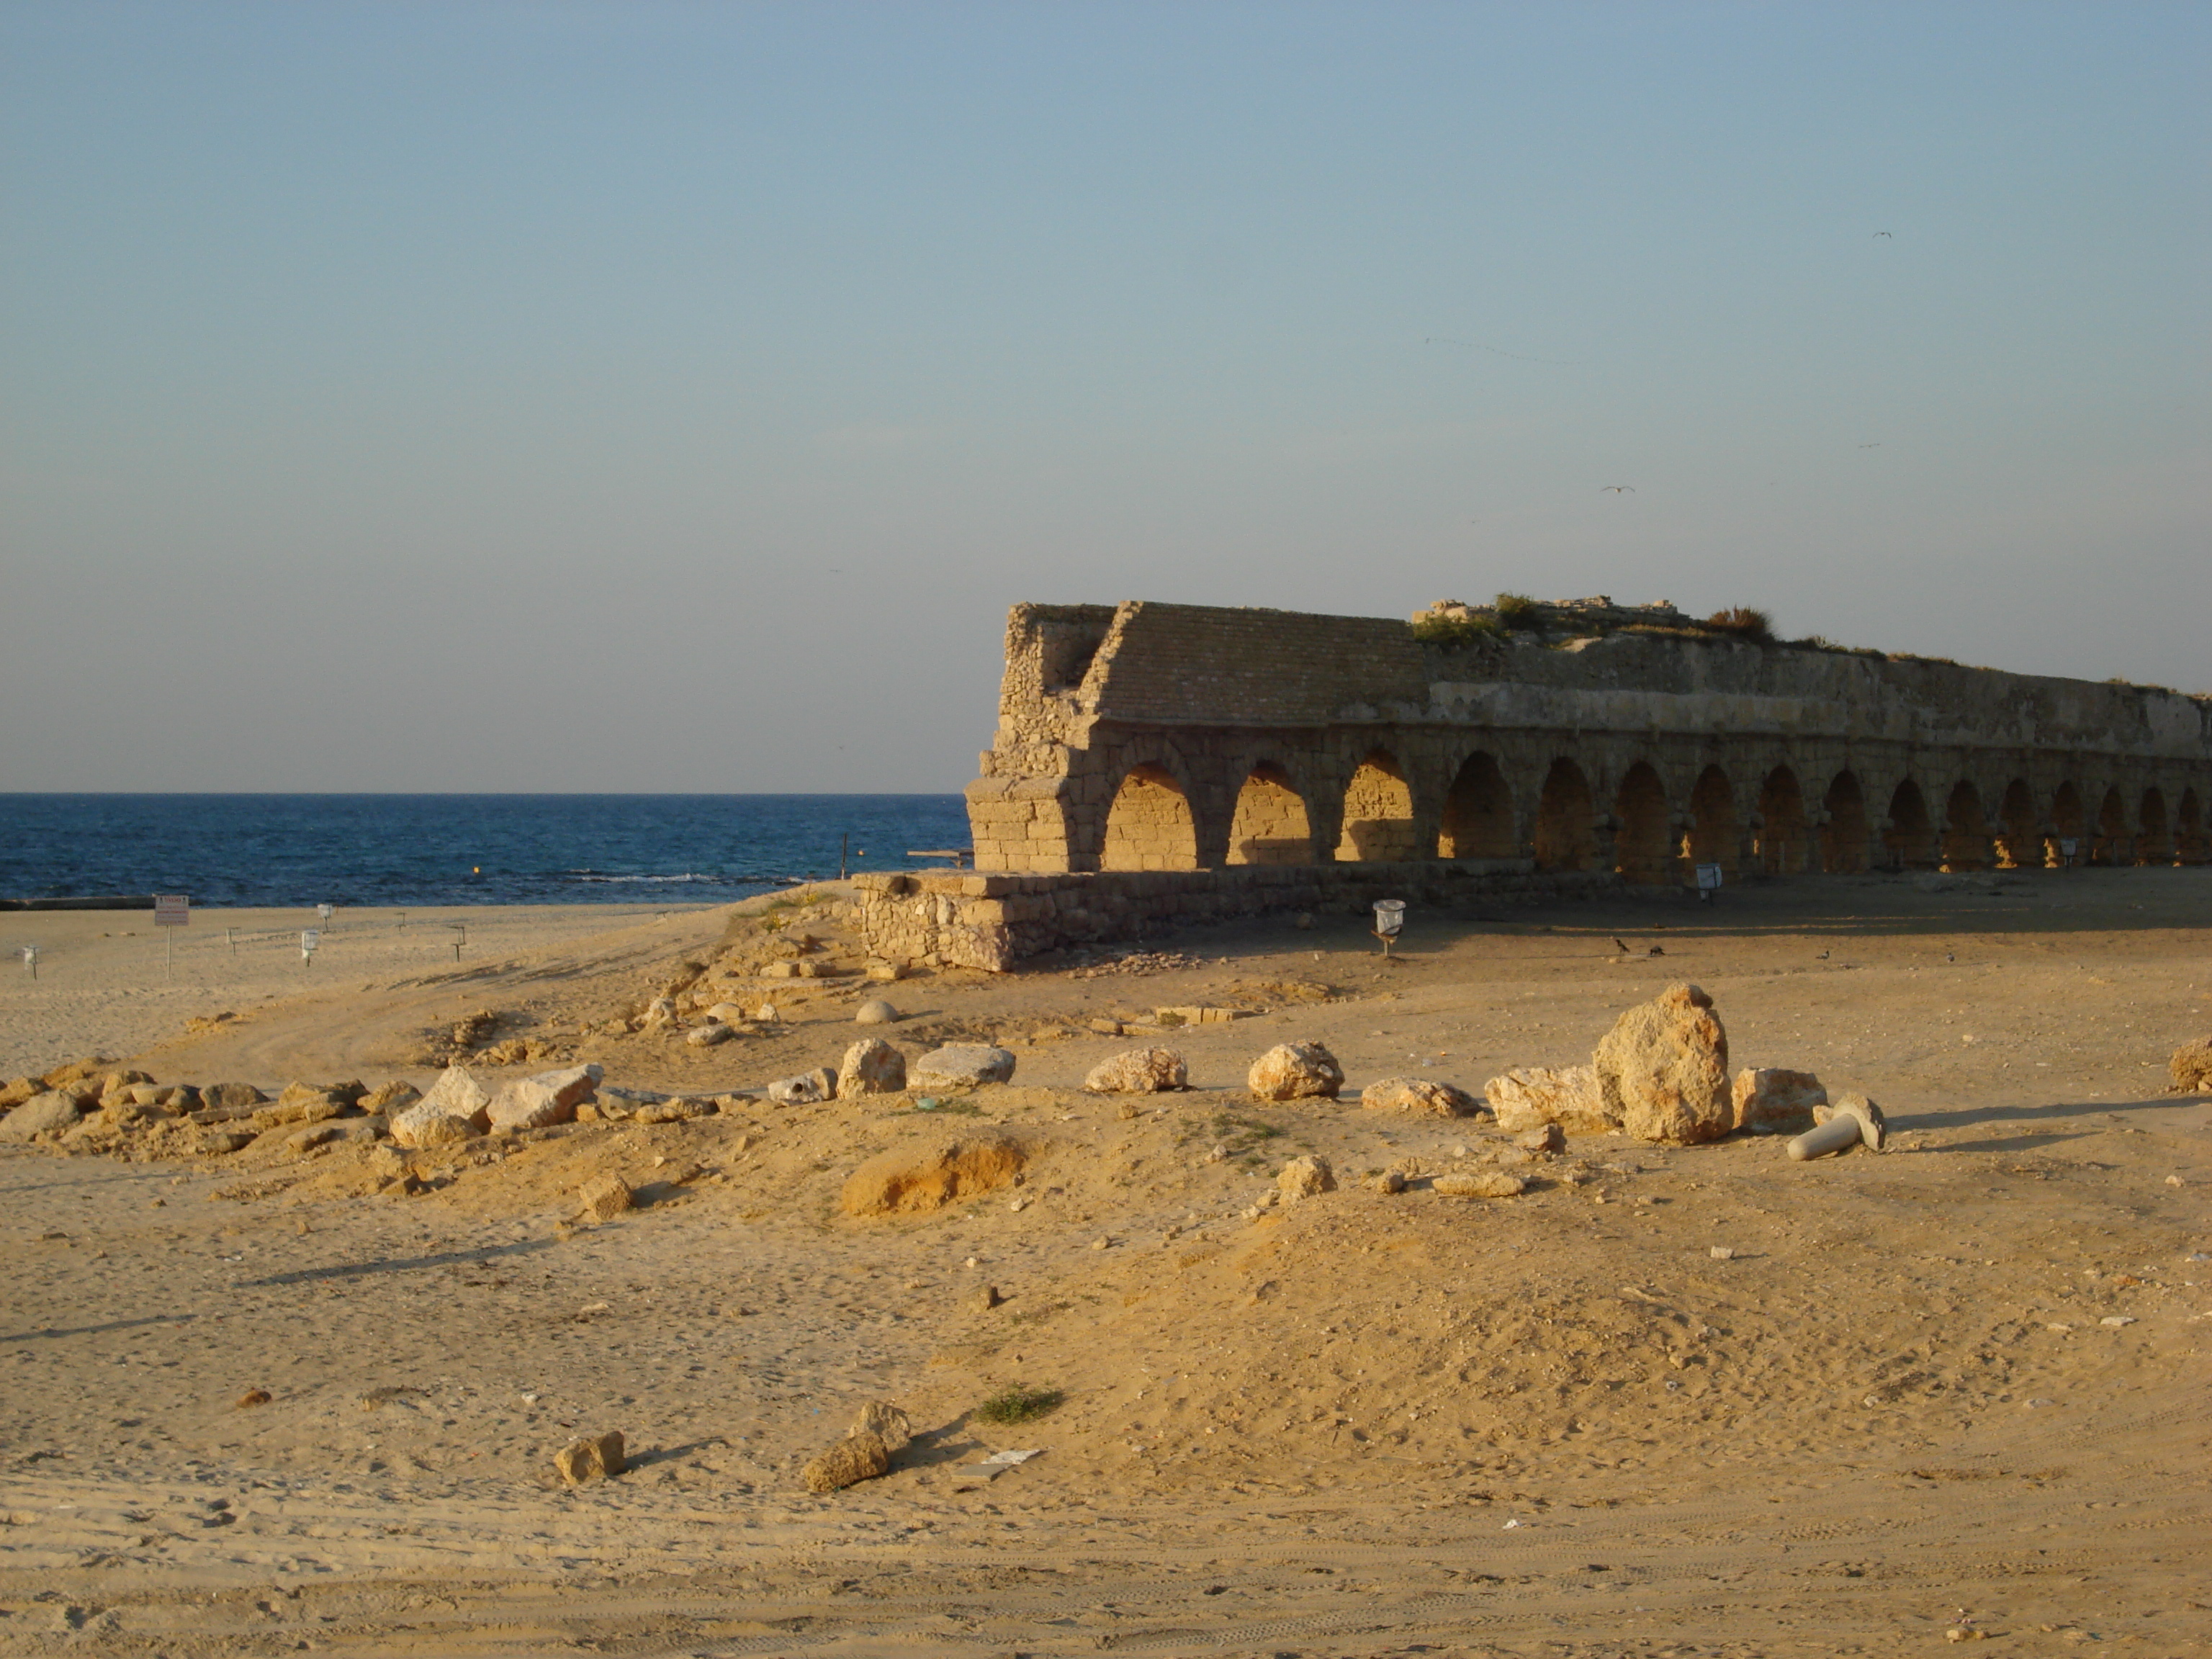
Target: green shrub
pixel 1015 1403
pixel 1746 623
pixel 1517 611
pixel 1454 631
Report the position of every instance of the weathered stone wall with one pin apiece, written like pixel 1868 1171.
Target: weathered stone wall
pixel 1636 752
pixel 945 918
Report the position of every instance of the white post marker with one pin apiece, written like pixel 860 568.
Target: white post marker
pixel 171 910
pixel 309 938
pixel 30 953
pixel 1708 881
pixel 324 911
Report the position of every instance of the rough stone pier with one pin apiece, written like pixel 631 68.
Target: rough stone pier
pixel 1160 762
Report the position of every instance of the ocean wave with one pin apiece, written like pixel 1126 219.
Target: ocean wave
pixel 587 875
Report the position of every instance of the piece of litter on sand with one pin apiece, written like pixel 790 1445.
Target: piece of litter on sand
pixel 1509 1526
pixel 2118 1320
pixel 1010 1458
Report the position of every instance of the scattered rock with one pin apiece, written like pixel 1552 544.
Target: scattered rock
pixel 1296 1071
pixel 456 1108
pixel 614 1105
pixel 930 1174
pixel 40 1114
pixel 240 1099
pixel 871 1066
pixel 805 1089
pixel 532 1102
pixel 254 1397
pixel 1138 1072
pixel 886 1422
pixel 984 1299
pixel 1305 1177
pixel 1773 1102
pixel 593 1459
pixel 886 971
pixel 388 1099
pixel 1529 1097
pixel 1479 1183
pixel 861 1456
pixel 1544 1138
pixel 2190 1066
pixel 605 1197
pixel 706 1036
pixel 1662 1070
pixel 875 1012
pixel 1723 1252
pixel 962 1066
pixel 19 1091
pixel 1418 1096
pixel 677 1108
pixel 1390 1181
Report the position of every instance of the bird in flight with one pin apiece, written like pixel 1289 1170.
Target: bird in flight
pixel 1618 490
pixel 1871 445
pixel 1884 233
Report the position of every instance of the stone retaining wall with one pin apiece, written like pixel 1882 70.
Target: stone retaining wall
pixel 950 918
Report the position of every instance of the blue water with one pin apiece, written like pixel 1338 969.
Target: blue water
pixel 288 850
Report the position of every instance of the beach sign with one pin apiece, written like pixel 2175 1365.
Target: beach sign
pixel 171 910
pixel 309 938
pixel 324 911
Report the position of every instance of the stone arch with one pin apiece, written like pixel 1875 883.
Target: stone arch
pixel 1566 836
pixel 1643 847
pixel 1478 822
pixel 1149 826
pixel 2155 844
pixel 2110 845
pixel 2192 847
pixel 1784 842
pixel 1966 837
pixel 2067 822
pixel 1712 835
pixel 1843 837
pixel 2018 846
pixel 1378 813
pixel 1270 825
pixel 1909 838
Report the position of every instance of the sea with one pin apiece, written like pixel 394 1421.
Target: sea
pixel 354 850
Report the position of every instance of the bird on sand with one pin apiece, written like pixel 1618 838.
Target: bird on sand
pixel 1657 951
pixel 1618 946
pixel 1823 957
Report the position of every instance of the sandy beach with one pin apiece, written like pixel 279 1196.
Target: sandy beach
pixel 1956 1386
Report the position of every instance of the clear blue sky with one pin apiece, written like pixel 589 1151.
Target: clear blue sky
pixel 641 397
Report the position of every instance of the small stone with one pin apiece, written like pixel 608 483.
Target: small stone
pixel 593 1459
pixel 456 1108
pixel 1529 1097
pixel 875 1012
pixel 985 1298
pixel 254 1397
pixel 871 1066
pixel 767 1014
pixel 1770 1100
pixel 861 1456
pixel 41 1115
pixel 2190 1066
pixel 1138 1072
pixel 1723 1252
pixel 2174 1181
pixel 886 972
pixel 962 1066
pixel 1544 1138
pixel 886 1422
pixel 1305 1177
pixel 709 1036
pixel 1479 1183
pixel 806 1088
pixel 605 1197
pixel 2116 1320
pixel 550 1097
pixel 659 1014
pixel 1296 1071
pixel 1390 1181
pixel 1101 1243
pixel 1418 1096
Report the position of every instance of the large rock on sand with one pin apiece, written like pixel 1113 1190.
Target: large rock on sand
pixel 2190 1066
pixel 1418 1096
pixel 962 1066
pixel 871 1066
pixel 1296 1071
pixel 1770 1100
pixel 1529 1097
pixel 1305 1177
pixel 1138 1072
pixel 533 1102
pixel 1662 1070
pixel 40 1114
pixel 804 1089
pixel 861 1456
pixel 929 1175
pixel 456 1108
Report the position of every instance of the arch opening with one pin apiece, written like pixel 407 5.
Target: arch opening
pixel 2155 844
pixel 2018 846
pixel 2069 822
pixel 1966 836
pixel 1911 837
pixel 1643 847
pixel 1785 844
pixel 2193 846
pixel 1149 826
pixel 1270 824
pixel 2110 845
pixel 1378 813
pixel 1477 821
pixel 1712 837
pixel 1565 837
pixel 1843 837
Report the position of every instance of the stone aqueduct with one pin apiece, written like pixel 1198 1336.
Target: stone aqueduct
pixel 1150 736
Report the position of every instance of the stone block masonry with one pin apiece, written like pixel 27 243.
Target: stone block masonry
pixel 951 919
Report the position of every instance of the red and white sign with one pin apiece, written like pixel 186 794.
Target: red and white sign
pixel 173 910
